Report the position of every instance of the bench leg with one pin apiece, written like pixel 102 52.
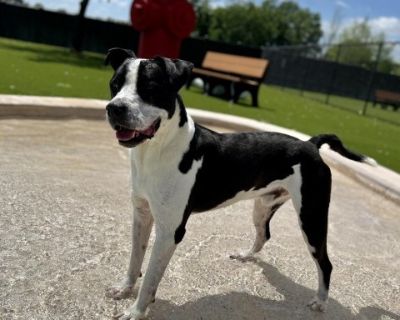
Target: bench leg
pixel 236 93
pixel 228 91
pixel 239 88
pixel 254 97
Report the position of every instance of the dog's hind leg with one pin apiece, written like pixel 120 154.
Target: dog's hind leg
pixel 310 189
pixel 141 229
pixel 264 209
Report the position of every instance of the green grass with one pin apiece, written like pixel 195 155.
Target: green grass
pixel 357 106
pixel 34 69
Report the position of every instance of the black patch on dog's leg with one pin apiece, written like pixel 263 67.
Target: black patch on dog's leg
pixel 179 233
pixel 181 230
pixel 315 192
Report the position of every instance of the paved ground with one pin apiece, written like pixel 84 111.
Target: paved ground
pixel 65 229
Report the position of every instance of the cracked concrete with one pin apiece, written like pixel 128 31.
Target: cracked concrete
pixel 65 236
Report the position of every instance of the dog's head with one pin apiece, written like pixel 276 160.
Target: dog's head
pixel 144 93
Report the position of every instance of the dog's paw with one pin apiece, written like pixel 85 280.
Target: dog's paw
pixel 316 304
pixel 131 314
pixel 243 257
pixel 119 291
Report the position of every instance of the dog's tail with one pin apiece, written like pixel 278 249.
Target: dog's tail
pixel 336 145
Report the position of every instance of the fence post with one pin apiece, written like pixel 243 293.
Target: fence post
pixel 283 66
pixel 333 75
pixel 305 70
pixel 372 78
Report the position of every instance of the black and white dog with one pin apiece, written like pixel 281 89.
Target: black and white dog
pixel 179 167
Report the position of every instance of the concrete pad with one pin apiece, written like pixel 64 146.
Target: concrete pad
pixel 65 236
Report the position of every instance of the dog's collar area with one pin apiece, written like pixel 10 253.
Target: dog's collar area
pixel 130 138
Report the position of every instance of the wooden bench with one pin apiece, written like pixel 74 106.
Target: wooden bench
pixel 386 98
pixel 235 73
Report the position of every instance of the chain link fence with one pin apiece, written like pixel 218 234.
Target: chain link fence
pixel 362 77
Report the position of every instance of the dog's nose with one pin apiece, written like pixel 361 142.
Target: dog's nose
pixel 116 109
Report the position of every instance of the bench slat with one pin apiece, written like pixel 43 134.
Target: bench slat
pixel 250 67
pixel 216 74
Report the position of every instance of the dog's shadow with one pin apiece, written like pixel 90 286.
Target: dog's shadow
pixel 289 304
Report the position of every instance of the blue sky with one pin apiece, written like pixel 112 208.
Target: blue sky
pixel 383 15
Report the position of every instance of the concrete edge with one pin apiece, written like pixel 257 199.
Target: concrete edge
pixel 379 178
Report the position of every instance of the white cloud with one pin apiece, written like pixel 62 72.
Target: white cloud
pixel 71 6
pixel 121 3
pixel 217 3
pixel 390 26
pixel 342 4
pixel 396 53
pixel 325 26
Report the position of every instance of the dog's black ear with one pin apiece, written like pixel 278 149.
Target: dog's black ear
pixel 116 56
pixel 178 71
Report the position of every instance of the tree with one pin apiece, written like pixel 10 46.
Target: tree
pixel 270 23
pixel 20 3
pixel 38 6
pixel 241 24
pixel 296 25
pixel 203 14
pixel 359 46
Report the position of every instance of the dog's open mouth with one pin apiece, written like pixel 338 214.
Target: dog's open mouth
pixel 131 138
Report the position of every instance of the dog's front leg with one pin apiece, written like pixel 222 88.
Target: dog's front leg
pixel 163 249
pixel 141 229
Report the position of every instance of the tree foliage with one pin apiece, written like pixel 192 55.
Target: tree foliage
pixel 21 3
pixel 357 45
pixel 270 23
pixel 203 15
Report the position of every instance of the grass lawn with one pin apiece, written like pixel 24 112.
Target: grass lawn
pixel 357 106
pixel 34 69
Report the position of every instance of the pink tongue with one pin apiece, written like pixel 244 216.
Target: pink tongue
pixel 148 132
pixel 125 135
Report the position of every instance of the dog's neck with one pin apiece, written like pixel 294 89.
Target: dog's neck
pixel 172 138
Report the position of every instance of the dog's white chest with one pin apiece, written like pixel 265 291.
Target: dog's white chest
pixel 147 170
pixel 155 173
